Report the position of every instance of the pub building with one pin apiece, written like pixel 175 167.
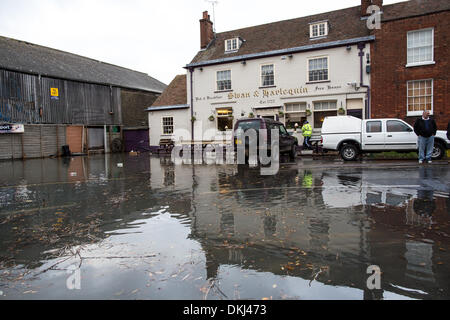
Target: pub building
pixel 294 70
pixel 300 69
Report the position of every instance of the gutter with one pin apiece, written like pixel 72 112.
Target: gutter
pixel 311 47
pixel 191 70
pixel 361 47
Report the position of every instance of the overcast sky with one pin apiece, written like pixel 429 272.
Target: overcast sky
pixel 155 37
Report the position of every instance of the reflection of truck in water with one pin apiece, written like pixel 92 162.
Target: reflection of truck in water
pixel 352 136
pixel 364 188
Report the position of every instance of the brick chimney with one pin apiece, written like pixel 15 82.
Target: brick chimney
pixel 367 3
pixel 206 30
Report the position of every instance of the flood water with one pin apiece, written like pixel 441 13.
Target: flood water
pixel 88 228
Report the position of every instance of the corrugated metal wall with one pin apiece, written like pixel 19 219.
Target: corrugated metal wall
pixel 37 141
pixel 22 96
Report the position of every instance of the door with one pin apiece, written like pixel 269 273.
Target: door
pixel 136 140
pixel 285 139
pixel 96 138
pixel 74 136
pixel 373 135
pixel 400 136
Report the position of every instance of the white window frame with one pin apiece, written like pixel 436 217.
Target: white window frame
pixel 318 24
pixel 328 69
pixel 162 125
pixel 232 47
pixel 231 82
pixel 418 113
pixel 261 75
pixel 323 101
pixel 420 63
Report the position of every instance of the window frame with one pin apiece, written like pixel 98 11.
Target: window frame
pixel 308 80
pixel 217 81
pixel 420 63
pixel 261 75
pixel 318 24
pixel 231 40
pixel 162 125
pixel 419 112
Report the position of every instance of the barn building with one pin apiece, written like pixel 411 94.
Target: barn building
pixel 51 98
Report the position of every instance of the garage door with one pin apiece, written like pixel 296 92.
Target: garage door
pixel 74 136
pixel 136 140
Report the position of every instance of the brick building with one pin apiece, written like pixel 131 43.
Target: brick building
pixel 409 61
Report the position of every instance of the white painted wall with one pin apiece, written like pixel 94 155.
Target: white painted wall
pixel 181 120
pixel 290 74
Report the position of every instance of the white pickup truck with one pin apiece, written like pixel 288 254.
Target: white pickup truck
pixel 352 136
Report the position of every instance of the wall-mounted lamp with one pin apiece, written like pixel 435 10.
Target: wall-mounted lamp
pixel 368 57
pixel 290 56
pixel 283 57
pixel 244 62
pixel 349 48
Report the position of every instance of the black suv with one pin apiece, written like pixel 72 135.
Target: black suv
pixel 288 143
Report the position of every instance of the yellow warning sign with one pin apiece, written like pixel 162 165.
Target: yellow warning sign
pixel 54 92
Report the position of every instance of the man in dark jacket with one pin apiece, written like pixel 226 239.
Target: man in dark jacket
pixel 425 128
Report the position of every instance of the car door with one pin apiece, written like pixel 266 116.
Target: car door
pixel 400 136
pixel 285 139
pixel 373 135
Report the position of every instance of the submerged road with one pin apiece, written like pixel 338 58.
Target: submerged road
pixel 86 228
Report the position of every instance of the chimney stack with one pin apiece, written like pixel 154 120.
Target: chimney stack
pixel 367 3
pixel 206 30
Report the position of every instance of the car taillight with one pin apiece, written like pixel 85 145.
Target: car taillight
pixel 321 140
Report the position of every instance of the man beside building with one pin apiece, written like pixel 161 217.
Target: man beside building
pixel 425 129
pixel 306 132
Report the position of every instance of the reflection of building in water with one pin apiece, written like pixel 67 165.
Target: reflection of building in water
pixel 263 223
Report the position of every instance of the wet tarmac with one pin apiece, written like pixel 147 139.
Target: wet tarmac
pixel 90 228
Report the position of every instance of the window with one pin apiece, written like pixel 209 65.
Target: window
pixel 325 105
pixel 318 69
pixel 224 119
pixel 167 123
pixel 420 96
pixel 373 126
pixel 296 107
pixel 267 75
pixel 420 47
pixel 223 80
pixel 397 126
pixel 318 29
pixel 232 45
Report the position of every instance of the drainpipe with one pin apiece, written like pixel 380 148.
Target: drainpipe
pixel 191 70
pixel 361 47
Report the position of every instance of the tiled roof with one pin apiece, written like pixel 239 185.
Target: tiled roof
pixel 174 94
pixel 413 8
pixel 26 57
pixel 344 24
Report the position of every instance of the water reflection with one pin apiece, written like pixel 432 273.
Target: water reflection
pixel 303 233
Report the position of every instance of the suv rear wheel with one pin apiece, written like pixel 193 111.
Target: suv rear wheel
pixel 349 152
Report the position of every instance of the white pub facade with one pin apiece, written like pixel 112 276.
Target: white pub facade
pixel 294 70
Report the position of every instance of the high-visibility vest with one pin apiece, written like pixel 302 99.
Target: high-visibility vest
pixel 307 130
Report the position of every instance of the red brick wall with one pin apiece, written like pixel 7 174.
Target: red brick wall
pixel 389 74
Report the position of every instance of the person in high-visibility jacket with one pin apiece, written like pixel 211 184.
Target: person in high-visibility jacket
pixel 306 132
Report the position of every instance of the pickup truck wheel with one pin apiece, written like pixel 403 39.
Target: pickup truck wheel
pixel 349 152
pixel 438 151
